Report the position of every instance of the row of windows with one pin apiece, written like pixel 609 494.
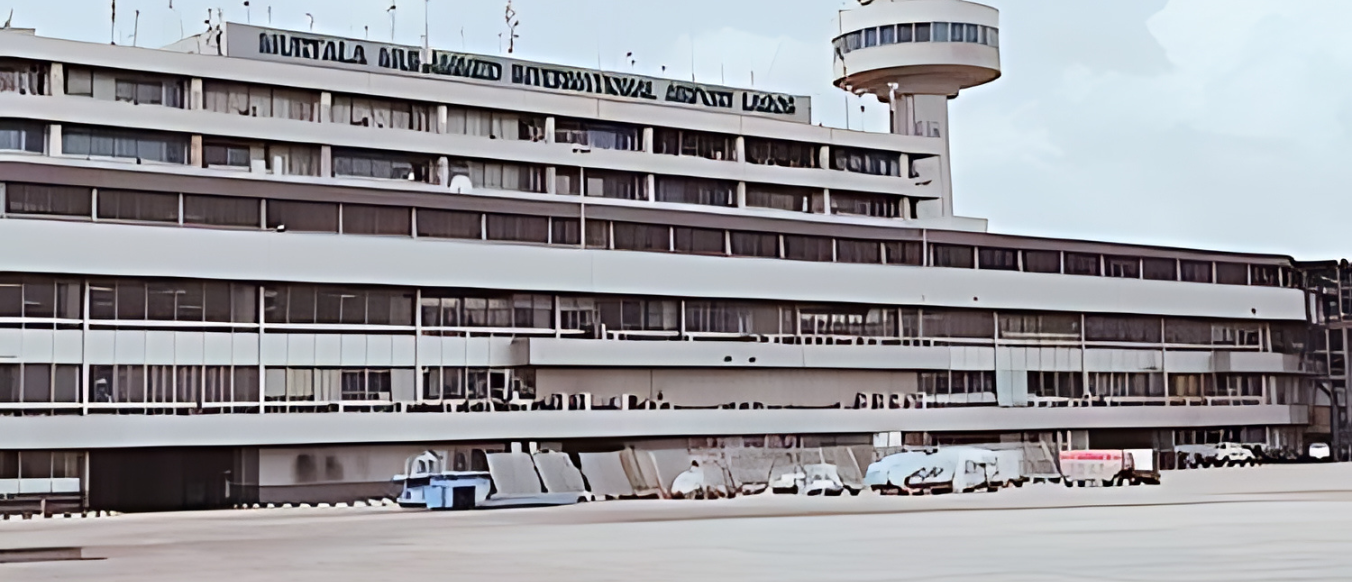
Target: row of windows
pixel 70 201
pixel 191 300
pixel 917 32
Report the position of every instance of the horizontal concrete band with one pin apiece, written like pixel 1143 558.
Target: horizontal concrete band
pixel 99 431
pixel 152 251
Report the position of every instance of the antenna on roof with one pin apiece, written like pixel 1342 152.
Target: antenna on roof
pixel 427 31
pixel 112 30
pixel 512 21
pixel 392 10
pixel 312 21
pixel 269 15
pixel 9 21
pixel 248 14
pixel 135 27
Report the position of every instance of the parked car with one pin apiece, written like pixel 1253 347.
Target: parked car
pixel 1320 452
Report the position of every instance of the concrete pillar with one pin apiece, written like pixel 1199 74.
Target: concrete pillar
pixel 326 161
pixel 549 129
pixel 741 194
pixel 195 152
pixel 652 187
pixel 442 114
pixel 551 175
pixel 325 106
pixel 825 160
pixel 739 149
pixel 826 201
pixel 54 139
pixel 195 94
pixel 648 140
pixel 444 171
pixel 56 79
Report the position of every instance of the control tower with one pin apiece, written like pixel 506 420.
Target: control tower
pixel 915 55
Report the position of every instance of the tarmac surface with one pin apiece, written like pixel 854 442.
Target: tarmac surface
pixel 1289 522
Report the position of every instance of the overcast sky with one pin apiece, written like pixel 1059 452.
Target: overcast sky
pixel 1206 123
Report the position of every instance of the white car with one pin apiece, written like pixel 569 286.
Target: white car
pixel 1319 452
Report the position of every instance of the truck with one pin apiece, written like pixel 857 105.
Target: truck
pixel 943 470
pixel 1109 467
pixel 426 484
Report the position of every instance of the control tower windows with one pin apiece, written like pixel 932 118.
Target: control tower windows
pixel 606 136
pixel 870 37
pixel 713 146
pixel 887 35
pixel 922 32
pixel 917 32
pixel 905 33
pixel 939 32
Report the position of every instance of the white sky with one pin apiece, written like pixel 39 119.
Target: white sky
pixel 1206 123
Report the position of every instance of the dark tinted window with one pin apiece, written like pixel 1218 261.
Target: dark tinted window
pixel 700 241
pixel 48 200
pixel 221 211
pixel 387 220
pixel 754 244
pixel 302 216
pixel 449 224
pixel 518 228
pixel 132 205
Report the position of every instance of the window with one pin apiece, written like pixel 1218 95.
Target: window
pixel 39 297
pixel 1122 328
pixel 904 253
pixel 23 77
pixel 173 300
pixel 259 101
pixel 853 41
pixel 676 142
pixel 958 324
pixel 302 216
pixel 972 33
pixel 568 181
pixel 731 317
pixel 956 256
pixel 998 259
pixel 565 231
pixel 598 234
pixel 1039 325
pixel 1159 269
pixel 332 304
pixel 381 113
pixel 119 143
pixel 48 200
pixel 22 136
pixel 779 197
pixel 506 176
pixel 39 383
pixel 865 204
pixel 887 35
pixel 878 163
pixel 1265 275
pixel 494 124
pixel 807 248
pixel 695 191
pixel 1042 261
pixel 507 227
pixel 1056 384
pixel 231 155
pixel 377 220
pixel 641 237
pixel 132 205
pixel 789 154
pixel 993 37
pixel 922 32
pixel 754 244
pixel 384 165
pixel 858 251
pixel 1124 267
pixel 1195 271
pixel 149 92
pixel 449 224
pixel 598 135
pixel 221 211
pixel 905 32
pixel 699 241
pixel 293 160
pixel 622 185
pixel 939 32
pixel 1082 264
pixel 870 37
pixel 1232 273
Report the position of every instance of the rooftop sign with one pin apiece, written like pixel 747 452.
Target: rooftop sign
pixel 266 44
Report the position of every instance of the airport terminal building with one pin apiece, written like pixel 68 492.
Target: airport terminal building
pixel 263 265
